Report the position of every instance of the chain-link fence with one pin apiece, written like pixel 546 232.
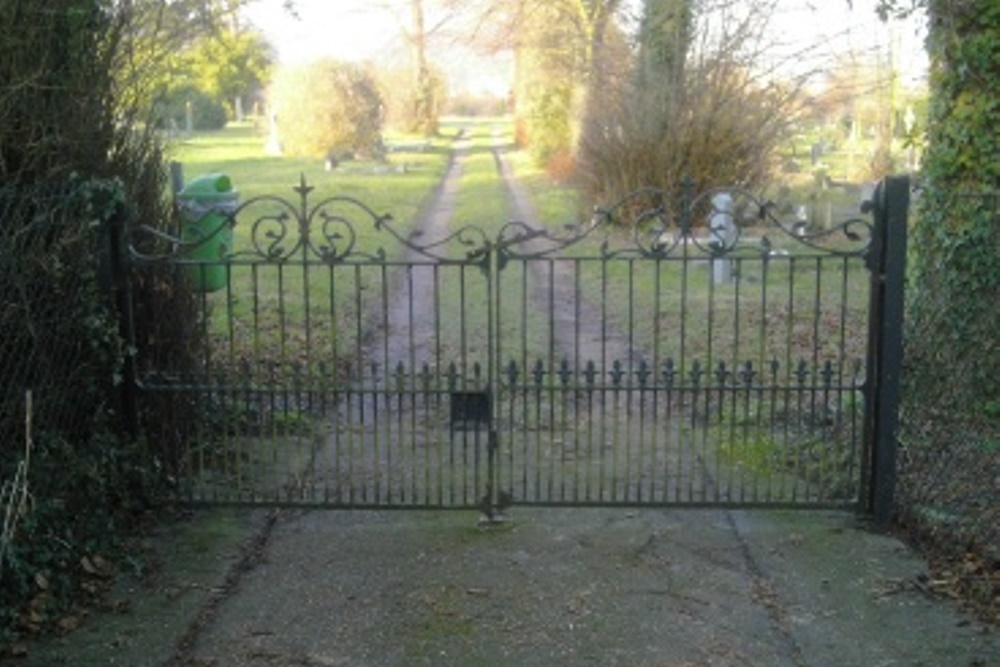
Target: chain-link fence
pixel 60 340
pixel 55 336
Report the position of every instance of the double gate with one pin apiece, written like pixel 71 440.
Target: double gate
pixel 675 349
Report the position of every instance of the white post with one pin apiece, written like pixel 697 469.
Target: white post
pixel 722 229
pixel 273 146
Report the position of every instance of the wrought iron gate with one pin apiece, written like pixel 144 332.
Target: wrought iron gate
pixel 676 349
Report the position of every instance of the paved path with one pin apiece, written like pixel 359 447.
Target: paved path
pixel 644 588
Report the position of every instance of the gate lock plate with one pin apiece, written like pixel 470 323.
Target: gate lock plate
pixel 470 410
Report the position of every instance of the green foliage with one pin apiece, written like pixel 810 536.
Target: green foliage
pixel 171 44
pixel 207 112
pixel 78 153
pixel 557 60
pixel 228 64
pixel 547 128
pixel 956 285
pixel 111 480
pixel 949 425
pixel 328 108
pixel 84 482
pixel 55 65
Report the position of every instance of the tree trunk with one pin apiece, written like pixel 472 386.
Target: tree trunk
pixel 664 39
pixel 424 110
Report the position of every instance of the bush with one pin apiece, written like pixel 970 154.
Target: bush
pixel 79 149
pixel 723 130
pixel 207 113
pixel 712 115
pixel 547 129
pixel 328 108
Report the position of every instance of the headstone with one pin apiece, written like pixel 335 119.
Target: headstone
pixel 722 230
pixel 815 153
pixel 273 146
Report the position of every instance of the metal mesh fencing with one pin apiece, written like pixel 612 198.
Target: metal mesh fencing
pixel 55 335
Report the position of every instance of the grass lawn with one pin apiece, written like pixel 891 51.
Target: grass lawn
pixel 398 185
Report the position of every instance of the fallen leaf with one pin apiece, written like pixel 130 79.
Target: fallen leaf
pixel 68 624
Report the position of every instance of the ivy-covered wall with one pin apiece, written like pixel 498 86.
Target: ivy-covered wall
pixel 949 488
pixel 955 305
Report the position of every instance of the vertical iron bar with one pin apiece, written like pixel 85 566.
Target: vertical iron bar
pixel 411 371
pixel 576 396
pixel 331 384
pixel 384 470
pixel 255 370
pixel 493 352
pixel 787 397
pixel 627 362
pixel 307 317
pixel 740 355
pixel 359 338
pixel 842 361
pixel 551 394
pixel 603 443
pixel 772 431
pixel 438 362
pixel 762 361
pixel 659 443
pixel 817 318
pixel 526 413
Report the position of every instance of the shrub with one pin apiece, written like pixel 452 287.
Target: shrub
pixel 328 108
pixel 207 113
pixel 724 130
pixel 718 119
pixel 547 125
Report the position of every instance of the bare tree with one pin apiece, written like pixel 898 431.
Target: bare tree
pixel 716 115
pixel 664 39
pixel 418 29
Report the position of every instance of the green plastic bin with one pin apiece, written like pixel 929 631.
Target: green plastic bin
pixel 206 205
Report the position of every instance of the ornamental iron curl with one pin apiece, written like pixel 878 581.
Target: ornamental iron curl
pixel 722 222
pixel 647 223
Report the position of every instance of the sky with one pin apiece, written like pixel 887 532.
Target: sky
pixel 343 29
pixel 352 30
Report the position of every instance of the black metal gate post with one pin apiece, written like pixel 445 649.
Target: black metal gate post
pixel 493 511
pixel 885 347
pixel 121 289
